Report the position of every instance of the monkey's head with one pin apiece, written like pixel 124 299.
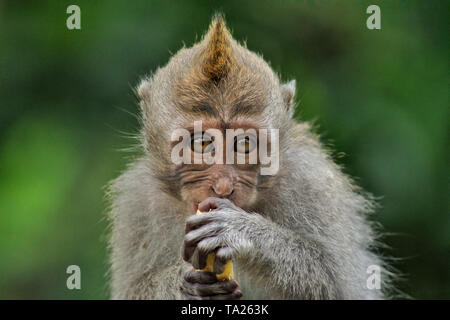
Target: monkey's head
pixel 225 86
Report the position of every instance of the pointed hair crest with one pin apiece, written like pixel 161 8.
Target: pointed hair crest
pixel 217 57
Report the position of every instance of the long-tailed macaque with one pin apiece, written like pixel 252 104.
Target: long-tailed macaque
pixel 300 232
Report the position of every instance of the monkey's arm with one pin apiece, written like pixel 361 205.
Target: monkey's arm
pixel 145 238
pixel 290 266
pixel 293 266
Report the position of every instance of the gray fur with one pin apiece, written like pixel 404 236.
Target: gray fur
pixel 308 236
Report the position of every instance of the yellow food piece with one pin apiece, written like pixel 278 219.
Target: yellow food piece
pixel 227 273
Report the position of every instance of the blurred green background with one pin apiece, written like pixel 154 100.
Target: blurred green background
pixel 380 98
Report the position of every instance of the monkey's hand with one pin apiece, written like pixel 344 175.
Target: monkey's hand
pixel 282 258
pixel 197 285
pixel 216 232
pixel 213 233
pixel 219 232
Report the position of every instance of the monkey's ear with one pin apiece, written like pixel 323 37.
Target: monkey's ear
pixel 288 94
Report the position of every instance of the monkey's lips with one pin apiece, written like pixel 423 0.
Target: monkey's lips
pixel 194 206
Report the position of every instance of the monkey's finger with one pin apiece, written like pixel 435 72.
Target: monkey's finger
pixel 187 252
pixel 236 295
pixel 232 296
pixel 197 221
pixel 202 251
pixel 217 288
pixel 197 235
pixel 194 276
pixel 223 255
pixel 198 259
pixel 188 249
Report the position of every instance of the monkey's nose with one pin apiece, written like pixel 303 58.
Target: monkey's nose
pixel 223 187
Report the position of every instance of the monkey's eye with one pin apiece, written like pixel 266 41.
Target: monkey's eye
pixel 202 143
pixel 245 144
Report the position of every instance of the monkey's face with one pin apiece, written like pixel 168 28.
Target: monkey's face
pixel 224 85
pixel 221 160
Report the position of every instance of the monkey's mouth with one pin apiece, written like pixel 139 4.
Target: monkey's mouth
pixel 195 205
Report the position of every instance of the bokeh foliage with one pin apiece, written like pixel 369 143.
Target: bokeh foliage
pixel 380 99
